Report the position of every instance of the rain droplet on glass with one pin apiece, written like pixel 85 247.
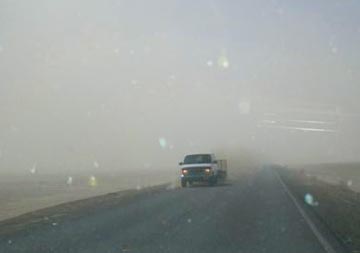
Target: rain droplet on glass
pixel 349 183
pixel 162 142
pixel 33 169
pixel 92 181
pixel 69 181
pixel 310 200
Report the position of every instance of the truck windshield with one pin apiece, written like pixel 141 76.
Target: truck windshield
pixel 190 159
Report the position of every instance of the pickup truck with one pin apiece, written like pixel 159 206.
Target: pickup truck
pixel 202 168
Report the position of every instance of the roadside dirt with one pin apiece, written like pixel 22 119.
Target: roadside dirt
pixel 337 206
pixel 72 210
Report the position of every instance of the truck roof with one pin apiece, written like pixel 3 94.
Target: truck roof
pixel 200 154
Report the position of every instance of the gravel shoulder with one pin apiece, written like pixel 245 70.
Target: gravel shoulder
pixel 337 207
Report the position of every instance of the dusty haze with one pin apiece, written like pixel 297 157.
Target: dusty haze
pixel 111 85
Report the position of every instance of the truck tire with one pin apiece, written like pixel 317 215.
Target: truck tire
pixel 213 181
pixel 183 183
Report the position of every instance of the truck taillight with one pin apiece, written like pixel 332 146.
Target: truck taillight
pixel 185 171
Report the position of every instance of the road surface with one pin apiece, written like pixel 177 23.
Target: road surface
pixel 250 214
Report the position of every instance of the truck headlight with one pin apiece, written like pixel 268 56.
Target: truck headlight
pixel 207 170
pixel 185 171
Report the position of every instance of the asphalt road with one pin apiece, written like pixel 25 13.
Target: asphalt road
pixel 250 214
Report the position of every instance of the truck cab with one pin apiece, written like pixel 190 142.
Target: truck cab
pixel 201 168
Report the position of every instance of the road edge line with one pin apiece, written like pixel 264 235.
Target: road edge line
pixel 324 243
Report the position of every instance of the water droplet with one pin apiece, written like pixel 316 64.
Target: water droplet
pixel 189 220
pixel 33 170
pixel 223 62
pixel 116 51
pixel 310 200
pixel 162 142
pixel 9 242
pixel 92 181
pixel 210 63
pixel 349 183
pixel 138 187
pixel 96 165
pixel 69 181
pixel 54 224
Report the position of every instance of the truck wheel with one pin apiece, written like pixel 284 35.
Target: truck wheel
pixel 213 181
pixel 183 183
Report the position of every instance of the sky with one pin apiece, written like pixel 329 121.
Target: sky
pixel 113 85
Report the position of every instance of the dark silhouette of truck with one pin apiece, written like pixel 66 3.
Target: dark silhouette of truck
pixel 202 168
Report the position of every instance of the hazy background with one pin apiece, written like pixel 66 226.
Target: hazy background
pixel 134 85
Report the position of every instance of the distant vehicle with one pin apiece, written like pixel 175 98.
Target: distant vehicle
pixel 202 168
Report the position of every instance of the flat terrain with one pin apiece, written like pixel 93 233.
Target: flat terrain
pixel 22 193
pixel 335 173
pixel 250 214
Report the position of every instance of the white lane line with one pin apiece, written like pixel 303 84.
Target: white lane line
pixel 326 245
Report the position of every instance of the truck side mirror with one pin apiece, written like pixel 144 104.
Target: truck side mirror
pixel 181 163
pixel 215 162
